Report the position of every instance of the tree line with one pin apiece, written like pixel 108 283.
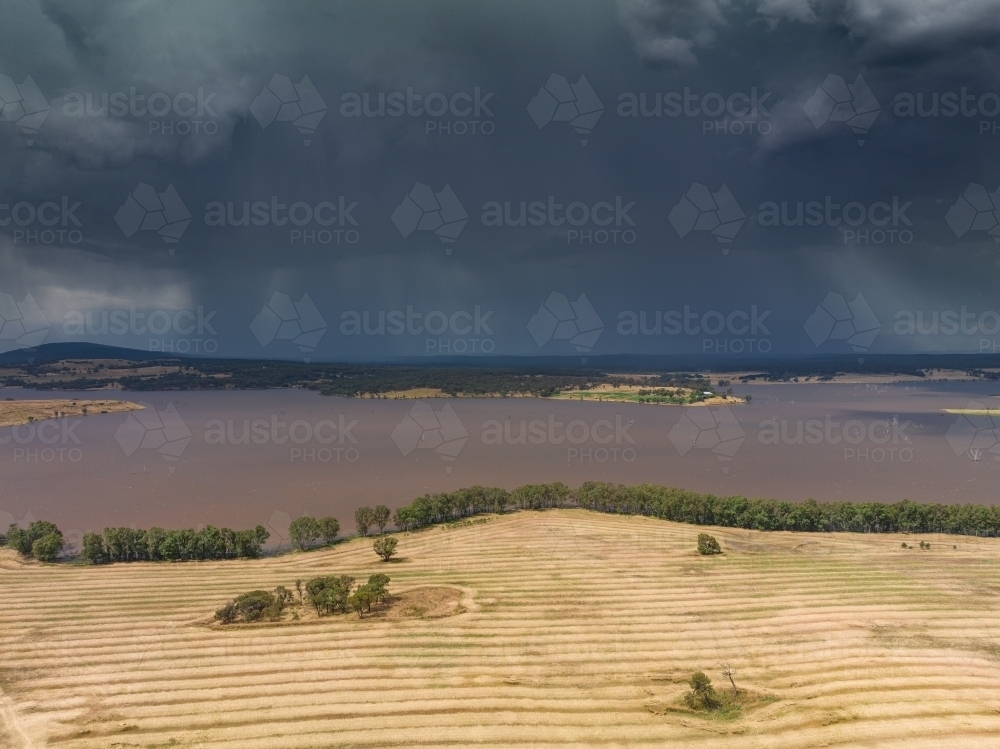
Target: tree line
pixel 44 541
pixel 159 544
pixel 695 508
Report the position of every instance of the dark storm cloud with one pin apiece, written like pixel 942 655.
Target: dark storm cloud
pixel 651 72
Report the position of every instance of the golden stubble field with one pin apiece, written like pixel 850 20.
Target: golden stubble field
pixel 575 630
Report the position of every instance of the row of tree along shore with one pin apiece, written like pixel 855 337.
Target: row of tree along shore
pixel 44 541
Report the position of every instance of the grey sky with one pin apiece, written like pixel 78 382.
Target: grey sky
pixel 207 62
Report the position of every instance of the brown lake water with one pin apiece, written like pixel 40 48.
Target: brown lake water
pixel 240 458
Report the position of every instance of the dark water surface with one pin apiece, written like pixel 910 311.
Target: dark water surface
pixel 79 475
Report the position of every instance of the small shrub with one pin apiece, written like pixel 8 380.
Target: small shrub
pixel 904 545
pixel 254 606
pixel 702 695
pixel 708 545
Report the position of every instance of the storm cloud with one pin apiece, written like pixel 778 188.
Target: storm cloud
pixel 698 177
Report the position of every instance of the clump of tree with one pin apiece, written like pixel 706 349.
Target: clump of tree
pixel 385 547
pixel 307 532
pixel 255 606
pixel 335 594
pixel 42 541
pixel 702 695
pixel 369 594
pixel 708 545
pixel 329 593
pixel 160 545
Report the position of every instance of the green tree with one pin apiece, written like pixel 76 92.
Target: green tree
pixel 47 548
pixel 23 541
pixel 378 585
pixel 385 547
pixel 702 695
pixel 380 516
pixel 93 548
pixel 304 532
pixel 328 529
pixel 329 593
pixel 708 545
pixel 364 518
pixel 361 600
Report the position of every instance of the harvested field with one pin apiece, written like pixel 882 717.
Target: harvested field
pixel 560 628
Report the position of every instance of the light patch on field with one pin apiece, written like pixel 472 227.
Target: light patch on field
pixel 568 629
pixel 16 412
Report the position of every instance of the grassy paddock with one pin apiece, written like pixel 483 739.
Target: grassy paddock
pixel 574 629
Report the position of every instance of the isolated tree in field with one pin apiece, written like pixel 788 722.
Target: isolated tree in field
pixel 385 547
pixel 708 545
pixel 364 518
pixel 702 695
pixel 328 529
pixel 380 516
pixel 304 532
pixel 729 673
